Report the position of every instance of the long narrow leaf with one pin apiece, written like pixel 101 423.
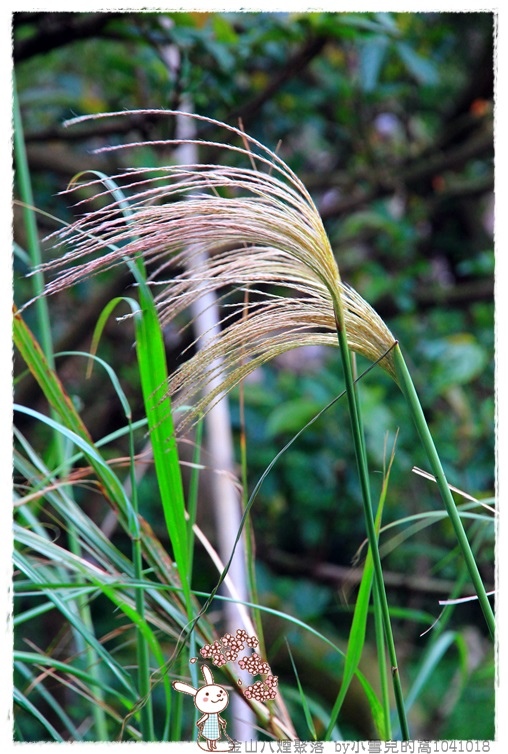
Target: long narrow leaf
pixel 26 704
pixel 108 478
pixel 358 627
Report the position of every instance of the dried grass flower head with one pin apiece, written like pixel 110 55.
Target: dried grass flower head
pixel 261 232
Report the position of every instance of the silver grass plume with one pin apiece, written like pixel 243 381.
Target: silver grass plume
pixel 262 232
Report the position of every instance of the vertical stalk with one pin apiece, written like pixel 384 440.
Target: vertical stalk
pixel 409 391
pixel 46 341
pixel 381 659
pixel 34 251
pixel 363 473
pixel 143 657
pixel 250 554
pixel 192 497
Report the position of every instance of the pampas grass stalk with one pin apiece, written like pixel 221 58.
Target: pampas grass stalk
pixel 408 388
pixel 263 233
pixel 363 473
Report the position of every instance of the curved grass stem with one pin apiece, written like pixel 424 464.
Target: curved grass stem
pixel 409 391
pixel 363 472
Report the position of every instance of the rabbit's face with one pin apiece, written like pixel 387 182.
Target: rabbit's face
pixel 211 698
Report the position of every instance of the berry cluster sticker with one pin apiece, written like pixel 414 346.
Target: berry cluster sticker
pixel 212 699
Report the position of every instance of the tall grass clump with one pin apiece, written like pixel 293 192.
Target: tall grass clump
pixel 262 233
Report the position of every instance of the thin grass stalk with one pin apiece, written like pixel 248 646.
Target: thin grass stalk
pixel 357 633
pixel 409 391
pixel 50 700
pixel 302 697
pixel 46 341
pixel 192 495
pixel 377 599
pixel 143 656
pixel 361 460
pixel 34 250
pixel 381 661
pixel 250 553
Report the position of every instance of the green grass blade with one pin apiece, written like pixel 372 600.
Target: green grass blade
pixel 357 633
pixel 363 473
pixel 373 701
pixel 192 496
pixel 26 704
pixel 25 189
pixel 46 377
pixel 41 660
pixel 111 374
pixel 153 372
pixel 143 656
pixel 432 659
pixel 110 587
pixel 408 389
pixel 49 699
pixel 37 575
pixel 303 698
pixel 110 482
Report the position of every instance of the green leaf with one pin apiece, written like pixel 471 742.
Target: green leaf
pixel 26 704
pixel 291 416
pixel 423 70
pixel 357 633
pixel 387 20
pixel 362 21
pixel 459 359
pixel 432 659
pixel 46 377
pixel 303 698
pixel 111 484
pixel 372 56
pixel 223 30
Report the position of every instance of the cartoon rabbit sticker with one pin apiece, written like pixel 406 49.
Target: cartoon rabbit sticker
pixel 211 700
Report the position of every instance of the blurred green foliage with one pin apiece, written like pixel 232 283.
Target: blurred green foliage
pixel 387 117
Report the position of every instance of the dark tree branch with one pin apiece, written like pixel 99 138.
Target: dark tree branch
pixel 457 296
pixel 412 175
pixel 342 577
pixel 246 112
pixel 59 29
pixel 294 65
pixel 95 129
pixel 29 17
pixel 58 159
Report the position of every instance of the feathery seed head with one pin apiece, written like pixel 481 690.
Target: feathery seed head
pixel 261 231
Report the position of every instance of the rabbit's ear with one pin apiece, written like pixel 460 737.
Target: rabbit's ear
pixel 184 688
pixel 207 674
